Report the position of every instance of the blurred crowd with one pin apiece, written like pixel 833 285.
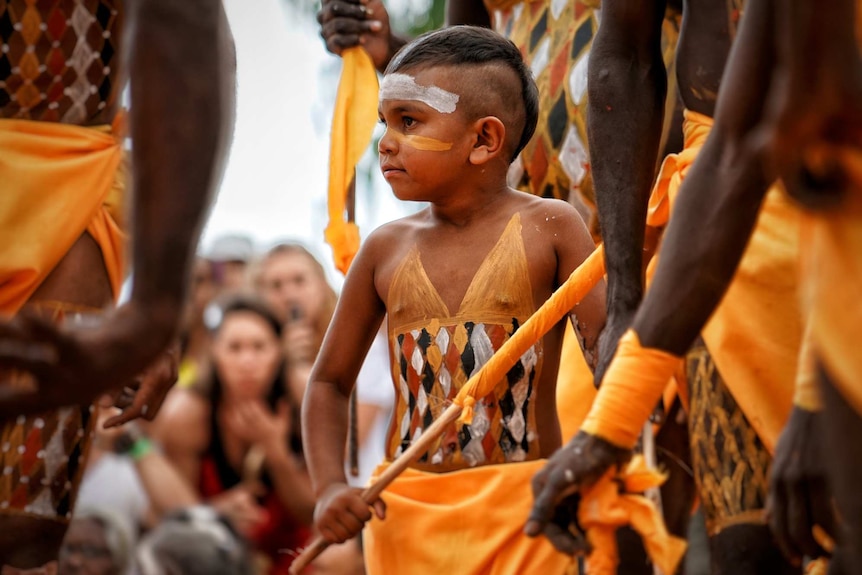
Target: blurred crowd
pixel 217 483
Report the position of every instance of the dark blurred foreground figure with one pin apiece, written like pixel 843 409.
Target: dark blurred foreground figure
pixel 61 72
pixel 195 541
pixel 790 108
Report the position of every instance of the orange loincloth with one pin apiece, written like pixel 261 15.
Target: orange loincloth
pixel 468 522
pixel 58 182
pixel 575 389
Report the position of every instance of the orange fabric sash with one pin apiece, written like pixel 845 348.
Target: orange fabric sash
pixel 58 181
pixel 615 501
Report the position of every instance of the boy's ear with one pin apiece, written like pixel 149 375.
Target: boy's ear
pixel 490 139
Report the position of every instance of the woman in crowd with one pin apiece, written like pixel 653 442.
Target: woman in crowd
pixel 294 284
pixel 235 437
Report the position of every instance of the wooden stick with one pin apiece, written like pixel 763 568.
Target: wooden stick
pixel 353 429
pixel 593 268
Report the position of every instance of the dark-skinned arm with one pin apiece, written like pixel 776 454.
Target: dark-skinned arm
pixel 340 512
pixel 708 232
pixel 182 66
pixel 180 62
pixel 468 12
pixel 626 87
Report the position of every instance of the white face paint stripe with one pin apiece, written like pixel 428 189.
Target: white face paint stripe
pixel 404 87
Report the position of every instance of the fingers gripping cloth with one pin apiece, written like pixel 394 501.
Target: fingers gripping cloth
pixel 561 302
pixel 632 386
pixel 616 500
pixel 352 125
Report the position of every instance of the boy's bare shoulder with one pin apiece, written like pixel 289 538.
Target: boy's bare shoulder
pixel 390 236
pixel 548 213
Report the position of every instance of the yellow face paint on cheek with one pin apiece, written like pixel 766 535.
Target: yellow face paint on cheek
pixel 420 142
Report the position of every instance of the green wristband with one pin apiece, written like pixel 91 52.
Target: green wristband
pixel 141 447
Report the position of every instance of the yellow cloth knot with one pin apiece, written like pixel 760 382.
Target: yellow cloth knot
pixel 616 500
pixel 352 125
pixel 468 404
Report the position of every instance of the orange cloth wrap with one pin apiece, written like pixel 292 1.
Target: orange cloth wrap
pixel 755 333
pixel 58 182
pixel 581 281
pixel 468 522
pixel 615 501
pixel 352 125
pixel 635 381
pixel 575 389
pixel 831 272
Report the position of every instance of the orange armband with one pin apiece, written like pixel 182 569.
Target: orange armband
pixel 630 391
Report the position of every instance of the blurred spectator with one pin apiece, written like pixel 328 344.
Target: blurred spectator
pixel 194 335
pixel 238 442
pixel 98 542
pixel 375 399
pixel 230 255
pixel 194 541
pixel 294 283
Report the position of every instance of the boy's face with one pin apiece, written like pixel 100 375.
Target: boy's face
pixel 428 138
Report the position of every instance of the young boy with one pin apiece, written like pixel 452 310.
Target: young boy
pixel 456 280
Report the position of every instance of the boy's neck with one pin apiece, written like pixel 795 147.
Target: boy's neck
pixel 479 194
pixel 474 202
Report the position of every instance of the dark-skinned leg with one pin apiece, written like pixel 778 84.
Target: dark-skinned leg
pixel 672 454
pixel 842 427
pixel 34 508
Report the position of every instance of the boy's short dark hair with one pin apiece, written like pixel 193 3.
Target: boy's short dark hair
pixel 472 45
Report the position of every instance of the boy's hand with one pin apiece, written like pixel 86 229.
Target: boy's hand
pixel 341 513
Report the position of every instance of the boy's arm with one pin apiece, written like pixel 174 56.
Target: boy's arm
pixel 574 246
pixel 340 512
pixel 627 87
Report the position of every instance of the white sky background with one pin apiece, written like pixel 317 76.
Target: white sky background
pixel 275 183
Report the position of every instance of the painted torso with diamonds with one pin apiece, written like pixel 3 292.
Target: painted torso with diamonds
pixel 59 60
pixel 435 351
